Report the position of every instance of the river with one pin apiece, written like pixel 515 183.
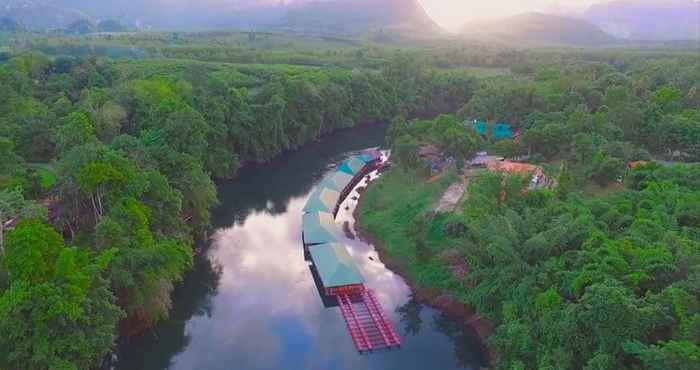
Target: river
pixel 251 303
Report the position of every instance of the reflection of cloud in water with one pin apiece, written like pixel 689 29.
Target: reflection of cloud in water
pixel 264 276
pixel 267 313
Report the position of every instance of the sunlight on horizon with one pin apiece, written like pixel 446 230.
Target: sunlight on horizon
pixel 452 14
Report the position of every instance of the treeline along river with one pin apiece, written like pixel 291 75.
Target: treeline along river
pixel 251 302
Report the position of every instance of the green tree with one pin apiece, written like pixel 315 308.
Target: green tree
pixel 13 206
pixel 406 151
pixel 57 312
pixel 77 130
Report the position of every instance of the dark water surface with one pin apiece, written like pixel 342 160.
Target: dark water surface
pixel 251 302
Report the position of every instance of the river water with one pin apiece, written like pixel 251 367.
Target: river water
pixel 251 303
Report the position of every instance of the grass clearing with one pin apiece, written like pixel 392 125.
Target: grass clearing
pixel 387 212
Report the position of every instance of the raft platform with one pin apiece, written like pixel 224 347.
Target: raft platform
pixel 334 270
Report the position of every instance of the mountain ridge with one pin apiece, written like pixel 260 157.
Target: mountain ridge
pixel 327 16
pixel 654 20
pixel 539 28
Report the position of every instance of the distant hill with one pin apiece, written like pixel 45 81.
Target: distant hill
pixel 648 19
pixel 39 14
pixel 537 28
pixel 357 16
pixel 111 25
pixel 316 16
pixel 81 27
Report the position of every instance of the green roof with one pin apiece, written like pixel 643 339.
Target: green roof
pixel 323 199
pixel 339 179
pixel 328 184
pixel 319 228
pixel 335 265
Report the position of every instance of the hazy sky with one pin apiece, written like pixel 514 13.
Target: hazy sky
pixel 453 13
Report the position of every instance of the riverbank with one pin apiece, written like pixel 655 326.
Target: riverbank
pixel 390 215
pixel 258 221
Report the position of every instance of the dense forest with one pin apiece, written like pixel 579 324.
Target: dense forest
pixel 107 177
pixel 598 271
pixel 108 166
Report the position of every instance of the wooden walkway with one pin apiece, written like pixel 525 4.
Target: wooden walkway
pixel 367 324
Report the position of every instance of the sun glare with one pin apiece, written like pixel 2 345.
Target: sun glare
pixel 452 14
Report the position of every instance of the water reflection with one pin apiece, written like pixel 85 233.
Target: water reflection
pixel 410 316
pixel 251 302
pixel 192 298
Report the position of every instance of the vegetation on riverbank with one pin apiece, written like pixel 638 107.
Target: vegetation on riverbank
pixel 605 283
pixel 122 153
pixel 107 163
pixel 571 279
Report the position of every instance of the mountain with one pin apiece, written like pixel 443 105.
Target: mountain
pixel 111 25
pixel 657 20
pixel 537 28
pixel 358 16
pixel 318 16
pixel 39 14
pixel 81 27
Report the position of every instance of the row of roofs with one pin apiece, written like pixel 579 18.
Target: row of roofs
pixel 319 229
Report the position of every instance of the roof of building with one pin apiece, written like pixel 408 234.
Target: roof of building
pixel 338 180
pixel 525 169
pixel 370 155
pixel 319 228
pixel 637 164
pixel 483 158
pixel 499 130
pixel 479 127
pixel 323 199
pixel 502 131
pixel 428 151
pixel 352 165
pixel 335 265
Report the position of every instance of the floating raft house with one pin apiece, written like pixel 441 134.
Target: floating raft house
pixel 336 268
pixel 340 279
pixel 323 199
pixel 319 228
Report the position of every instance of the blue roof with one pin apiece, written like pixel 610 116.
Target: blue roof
pixel 319 228
pixel 352 166
pixel 499 131
pixel 345 167
pixel 502 131
pixel 338 180
pixel 369 155
pixel 479 127
pixel 323 199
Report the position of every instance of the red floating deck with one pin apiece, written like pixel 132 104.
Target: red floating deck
pixel 368 326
